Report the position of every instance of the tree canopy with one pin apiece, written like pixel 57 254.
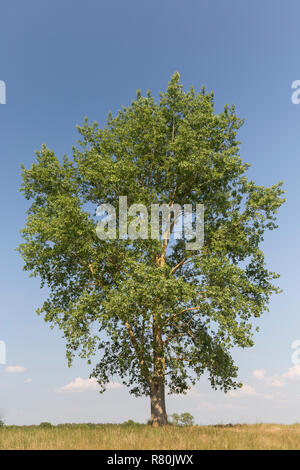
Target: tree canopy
pixel 152 312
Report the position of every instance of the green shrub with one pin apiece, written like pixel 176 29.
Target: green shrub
pixel 185 419
pixel 46 424
pixel 175 419
pixel 130 422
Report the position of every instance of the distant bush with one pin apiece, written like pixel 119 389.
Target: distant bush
pixel 229 425
pixel 185 419
pixel 130 422
pixel 46 424
pixel 2 423
pixel 88 425
pixel 175 419
pixel 82 425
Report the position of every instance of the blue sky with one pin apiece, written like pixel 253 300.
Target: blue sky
pixel 63 60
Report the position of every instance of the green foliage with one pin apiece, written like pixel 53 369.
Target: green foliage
pixel 147 308
pixel 175 419
pixel 45 424
pixel 2 422
pixel 130 422
pixel 185 419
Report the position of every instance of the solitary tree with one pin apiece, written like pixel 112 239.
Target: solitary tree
pixel 150 310
pixel 187 419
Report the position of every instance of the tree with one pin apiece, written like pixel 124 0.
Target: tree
pixel 45 424
pixel 152 311
pixel 175 419
pixel 187 419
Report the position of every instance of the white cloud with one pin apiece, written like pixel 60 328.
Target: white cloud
pixel 248 391
pixel 80 385
pixel 112 385
pixel 275 381
pixel 15 369
pixel 259 374
pixel 85 385
pixel 27 381
pixel 278 380
pixel 293 373
pixel 244 391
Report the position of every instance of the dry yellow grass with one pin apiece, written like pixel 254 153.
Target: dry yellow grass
pixel 138 437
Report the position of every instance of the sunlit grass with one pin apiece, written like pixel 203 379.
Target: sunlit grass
pixel 138 437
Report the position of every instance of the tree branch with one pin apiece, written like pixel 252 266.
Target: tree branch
pixel 174 269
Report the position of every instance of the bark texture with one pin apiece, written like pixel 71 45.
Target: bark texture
pixel 158 404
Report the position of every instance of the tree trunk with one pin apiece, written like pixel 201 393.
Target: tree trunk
pixel 158 404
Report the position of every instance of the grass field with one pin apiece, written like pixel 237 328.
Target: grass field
pixel 138 437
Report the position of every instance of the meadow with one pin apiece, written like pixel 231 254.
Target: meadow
pixel 139 437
